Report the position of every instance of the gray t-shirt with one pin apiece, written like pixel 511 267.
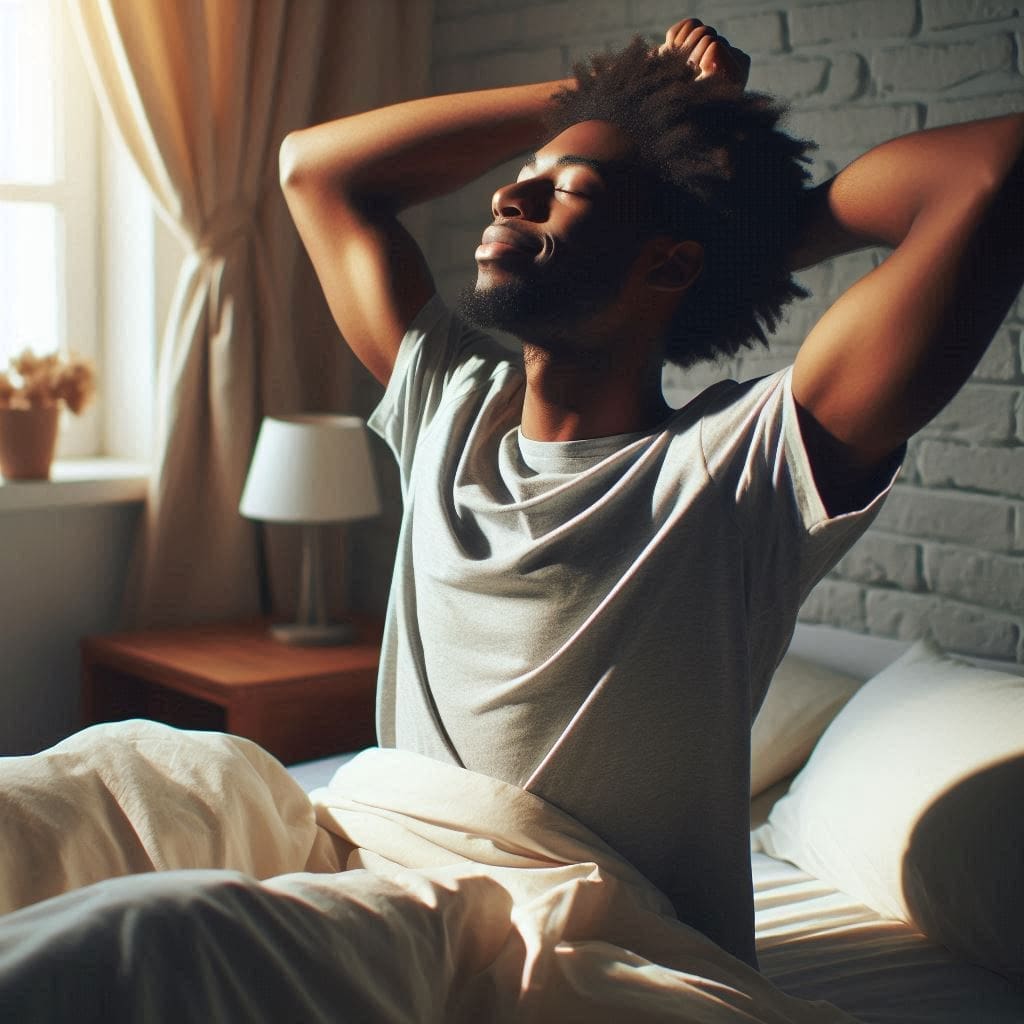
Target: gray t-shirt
pixel 597 621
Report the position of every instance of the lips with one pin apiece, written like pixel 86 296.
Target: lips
pixel 500 240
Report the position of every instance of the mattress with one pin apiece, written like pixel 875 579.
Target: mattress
pixel 815 942
pixel 310 774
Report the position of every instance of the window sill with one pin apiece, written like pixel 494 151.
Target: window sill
pixel 98 481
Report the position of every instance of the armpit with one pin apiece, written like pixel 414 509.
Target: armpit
pixel 843 484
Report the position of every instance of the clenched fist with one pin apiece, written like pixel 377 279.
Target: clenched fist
pixel 708 52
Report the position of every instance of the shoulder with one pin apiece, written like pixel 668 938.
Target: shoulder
pixel 441 343
pixel 441 361
pixel 735 412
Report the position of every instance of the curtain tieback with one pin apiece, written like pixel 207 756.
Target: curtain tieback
pixel 229 221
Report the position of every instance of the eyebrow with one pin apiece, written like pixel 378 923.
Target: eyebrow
pixel 603 167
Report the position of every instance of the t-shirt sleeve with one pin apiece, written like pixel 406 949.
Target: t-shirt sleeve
pixel 755 453
pixel 440 358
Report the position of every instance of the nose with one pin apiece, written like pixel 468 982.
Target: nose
pixel 525 199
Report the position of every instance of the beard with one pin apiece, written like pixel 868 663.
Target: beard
pixel 550 304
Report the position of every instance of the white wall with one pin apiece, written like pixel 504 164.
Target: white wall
pixel 61 575
pixel 947 553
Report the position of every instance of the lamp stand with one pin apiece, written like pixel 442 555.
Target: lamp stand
pixel 312 627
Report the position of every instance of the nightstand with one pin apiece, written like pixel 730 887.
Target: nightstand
pixel 297 702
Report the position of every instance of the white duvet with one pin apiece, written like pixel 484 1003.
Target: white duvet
pixel 406 891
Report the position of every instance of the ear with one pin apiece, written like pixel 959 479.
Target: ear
pixel 675 265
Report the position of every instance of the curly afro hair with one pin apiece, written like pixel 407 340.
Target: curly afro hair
pixel 714 167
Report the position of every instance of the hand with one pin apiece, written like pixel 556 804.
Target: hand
pixel 708 52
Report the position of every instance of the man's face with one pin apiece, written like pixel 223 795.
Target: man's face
pixel 559 249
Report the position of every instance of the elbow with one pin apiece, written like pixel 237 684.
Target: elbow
pixel 290 163
pixel 997 165
pixel 307 166
pixel 986 182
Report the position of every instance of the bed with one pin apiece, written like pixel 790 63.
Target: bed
pixel 887 842
pixel 887 847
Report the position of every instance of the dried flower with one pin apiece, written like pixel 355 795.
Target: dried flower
pixel 33 381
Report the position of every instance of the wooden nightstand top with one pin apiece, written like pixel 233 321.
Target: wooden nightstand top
pixel 296 702
pixel 223 658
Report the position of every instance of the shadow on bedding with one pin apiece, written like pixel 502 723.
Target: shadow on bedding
pixel 963 870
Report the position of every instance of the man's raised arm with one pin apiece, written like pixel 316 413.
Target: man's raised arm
pixel 896 347
pixel 346 181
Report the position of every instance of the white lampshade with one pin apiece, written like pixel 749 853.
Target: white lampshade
pixel 311 468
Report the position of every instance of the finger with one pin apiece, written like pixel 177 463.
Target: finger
pixel 709 61
pixel 717 58
pixel 678 34
pixel 699 38
pixel 691 40
pixel 680 30
pixel 702 48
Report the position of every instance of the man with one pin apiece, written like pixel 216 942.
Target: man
pixel 592 590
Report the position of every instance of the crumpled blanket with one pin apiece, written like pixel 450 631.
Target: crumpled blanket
pixel 405 891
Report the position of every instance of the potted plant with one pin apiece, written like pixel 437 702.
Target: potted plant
pixel 32 392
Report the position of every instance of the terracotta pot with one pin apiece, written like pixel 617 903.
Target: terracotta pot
pixel 28 438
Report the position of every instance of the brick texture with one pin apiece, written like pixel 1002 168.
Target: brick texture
pixel 985 522
pixel 882 560
pixel 1001 361
pixel 955 625
pixel 979 413
pixel 946 554
pixel 852 19
pixel 972 467
pixel 941 66
pixel 834 601
pixel 956 13
pixel 976 577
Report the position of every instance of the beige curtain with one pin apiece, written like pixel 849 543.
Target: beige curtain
pixel 203 92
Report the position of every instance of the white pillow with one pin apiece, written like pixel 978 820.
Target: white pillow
pixel 913 803
pixel 801 701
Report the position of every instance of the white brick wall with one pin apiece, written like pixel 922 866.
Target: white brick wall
pixel 947 554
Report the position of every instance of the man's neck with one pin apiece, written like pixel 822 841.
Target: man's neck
pixel 574 396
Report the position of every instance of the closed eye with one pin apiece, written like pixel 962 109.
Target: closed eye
pixel 571 192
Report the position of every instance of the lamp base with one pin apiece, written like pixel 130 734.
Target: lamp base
pixel 329 634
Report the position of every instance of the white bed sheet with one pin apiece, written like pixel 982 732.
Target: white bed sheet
pixel 816 942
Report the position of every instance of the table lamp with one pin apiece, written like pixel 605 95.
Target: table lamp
pixel 311 469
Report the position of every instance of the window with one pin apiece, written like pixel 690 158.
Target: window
pixel 49 251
